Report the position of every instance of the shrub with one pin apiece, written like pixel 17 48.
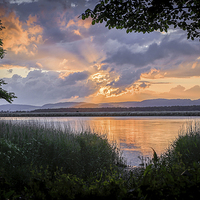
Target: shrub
pixel 35 144
pixel 185 148
pixel 176 173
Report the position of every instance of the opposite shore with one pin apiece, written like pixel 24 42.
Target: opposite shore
pixel 99 114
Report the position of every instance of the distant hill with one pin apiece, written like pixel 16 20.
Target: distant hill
pixel 145 103
pixel 17 107
pixel 153 103
pixel 59 105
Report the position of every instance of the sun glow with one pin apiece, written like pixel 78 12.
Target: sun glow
pixel 99 77
pixel 107 91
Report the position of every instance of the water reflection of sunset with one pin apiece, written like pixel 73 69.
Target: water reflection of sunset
pixel 143 133
pixel 137 135
pixel 134 135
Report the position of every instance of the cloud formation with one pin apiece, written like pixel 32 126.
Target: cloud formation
pixel 166 49
pixel 53 55
pixel 182 93
pixel 18 39
pixel 40 87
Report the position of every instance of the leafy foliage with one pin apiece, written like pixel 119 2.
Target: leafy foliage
pixel 26 144
pixel 185 148
pixel 166 177
pixel 8 96
pixel 2 51
pixel 148 15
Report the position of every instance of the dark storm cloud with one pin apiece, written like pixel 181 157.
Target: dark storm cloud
pixel 154 52
pixel 82 89
pixel 72 79
pixel 128 77
pixel 42 87
pixel 122 37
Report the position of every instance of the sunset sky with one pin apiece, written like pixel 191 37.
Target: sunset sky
pixel 54 56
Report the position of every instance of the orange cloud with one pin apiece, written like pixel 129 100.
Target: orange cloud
pixel 174 93
pixel 70 23
pixel 85 23
pixel 10 66
pixel 194 65
pixel 21 37
pixel 77 32
pixel 181 92
pixel 100 77
pixel 39 65
pixel 31 20
pixel 153 74
pixel 186 69
pixel 79 22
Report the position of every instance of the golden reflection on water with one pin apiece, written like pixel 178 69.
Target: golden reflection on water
pixel 137 135
pixel 134 135
pixel 140 133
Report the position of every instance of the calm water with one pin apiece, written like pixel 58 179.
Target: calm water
pixel 134 135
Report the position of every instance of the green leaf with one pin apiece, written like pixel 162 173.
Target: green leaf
pixel 148 168
pixel 147 15
pixel 155 156
pixel 169 176
pixel 83 17
pixel 93 22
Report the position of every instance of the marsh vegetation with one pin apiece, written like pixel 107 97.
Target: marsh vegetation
pixel 41 161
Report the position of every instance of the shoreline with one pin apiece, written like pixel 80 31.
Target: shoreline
pixel 99 114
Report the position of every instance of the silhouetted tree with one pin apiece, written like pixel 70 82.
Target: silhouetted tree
pixel 2 51
pixel 148 15
pixel 8 96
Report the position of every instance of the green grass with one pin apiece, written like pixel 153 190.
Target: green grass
pixel 185 148
pixel 176 173
pixel 41 161
pixel 25 144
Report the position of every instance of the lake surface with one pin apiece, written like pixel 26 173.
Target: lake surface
pixel 134 135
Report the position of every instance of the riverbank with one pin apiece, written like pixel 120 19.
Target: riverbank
pixel 41 162
pixel 99 114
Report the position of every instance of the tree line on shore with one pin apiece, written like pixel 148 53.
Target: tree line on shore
pixel 123 109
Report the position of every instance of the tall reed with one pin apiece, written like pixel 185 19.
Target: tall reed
pixel 33 144
pixel 186 147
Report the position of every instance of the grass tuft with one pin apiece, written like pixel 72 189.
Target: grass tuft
pixel 186 147
pixel 41 161
pixel 25 144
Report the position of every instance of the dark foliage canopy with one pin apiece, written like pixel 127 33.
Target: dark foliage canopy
pixel 2 52
pixel 8 96
pixel 148 15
